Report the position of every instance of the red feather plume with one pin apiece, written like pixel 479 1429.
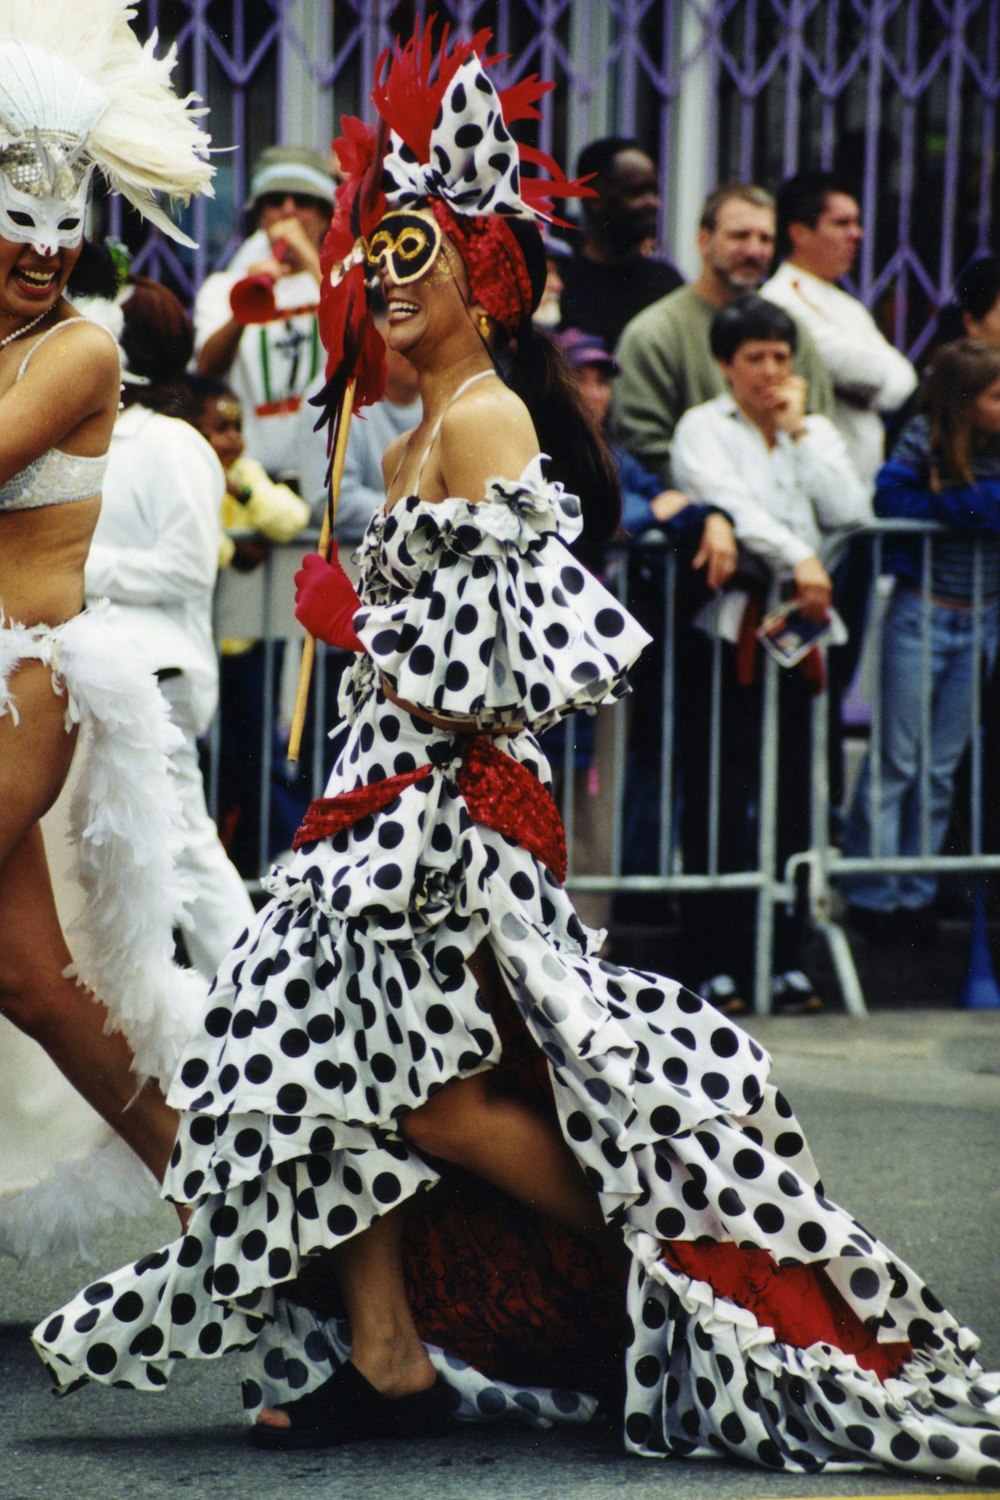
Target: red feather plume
pixel 355 350
pixel 406 98
pixel 343 309
pixel 412 80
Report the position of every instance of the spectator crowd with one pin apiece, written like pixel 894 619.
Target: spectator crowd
pixel 757 416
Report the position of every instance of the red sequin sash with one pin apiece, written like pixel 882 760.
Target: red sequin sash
pixel 498 791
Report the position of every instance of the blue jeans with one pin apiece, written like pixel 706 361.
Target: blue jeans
pixel 893 828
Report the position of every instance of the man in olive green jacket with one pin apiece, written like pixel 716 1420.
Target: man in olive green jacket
pixel 667 365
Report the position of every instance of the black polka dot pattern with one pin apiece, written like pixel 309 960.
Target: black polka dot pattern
pixel 450 651
pixel 351 1001
pixel 473 163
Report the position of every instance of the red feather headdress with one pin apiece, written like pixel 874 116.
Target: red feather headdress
pixel 444 139
pixel 355 348
pixel 450 131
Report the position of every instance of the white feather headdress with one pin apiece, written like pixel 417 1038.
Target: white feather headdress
pixel 120 114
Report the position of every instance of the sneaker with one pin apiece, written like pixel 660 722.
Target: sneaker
pixel 917 925
pixel 794 994
pixel 720 991
pixel 871 922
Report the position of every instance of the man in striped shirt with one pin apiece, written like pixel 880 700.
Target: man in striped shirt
pixel 270 364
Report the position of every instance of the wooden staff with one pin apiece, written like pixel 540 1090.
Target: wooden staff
pixel 329 515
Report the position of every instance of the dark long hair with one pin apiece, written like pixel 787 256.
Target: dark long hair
pixel 578 455
pixel 959 372
pixel 538 372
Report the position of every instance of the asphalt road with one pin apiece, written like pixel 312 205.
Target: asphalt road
pixel 902 1112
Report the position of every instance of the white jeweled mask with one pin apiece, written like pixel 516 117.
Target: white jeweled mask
pixel 43 193
pixel 47 111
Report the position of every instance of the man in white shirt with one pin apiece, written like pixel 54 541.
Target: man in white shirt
pixel 155 553
pixel 270 364
pixel 819 234
pixel 787 483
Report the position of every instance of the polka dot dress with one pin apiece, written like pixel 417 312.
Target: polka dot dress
pixel 350 1002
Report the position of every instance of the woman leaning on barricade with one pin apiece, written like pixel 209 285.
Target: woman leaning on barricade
pixel 938 652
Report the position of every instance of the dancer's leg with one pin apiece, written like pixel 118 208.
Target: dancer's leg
pixel 35 756
pixel 505 1140
pixel 501 1138
pixel 35 753
pixel 385 1344
pixel 63 1018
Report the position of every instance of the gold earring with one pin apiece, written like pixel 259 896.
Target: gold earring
pixel 484 326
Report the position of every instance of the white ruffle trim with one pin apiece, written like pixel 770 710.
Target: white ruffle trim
pixel 125 819
pixel 937 1416
pixel 465 649
pixel 515 515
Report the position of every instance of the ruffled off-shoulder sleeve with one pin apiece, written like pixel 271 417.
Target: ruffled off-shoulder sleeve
pixel 490 616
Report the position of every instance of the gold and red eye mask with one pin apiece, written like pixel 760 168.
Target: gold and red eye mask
pixel 406 243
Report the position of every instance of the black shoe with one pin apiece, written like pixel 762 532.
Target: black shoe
pixel 917 925
pixel 348 1407
pixel 871 922
pixel 794 994
pixel 721 992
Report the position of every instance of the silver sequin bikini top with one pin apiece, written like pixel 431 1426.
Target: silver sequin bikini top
pixel 55 477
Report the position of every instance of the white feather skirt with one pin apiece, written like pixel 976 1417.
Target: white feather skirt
pixel 110 840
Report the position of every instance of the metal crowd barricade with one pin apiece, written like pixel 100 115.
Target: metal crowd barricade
pixel 670 877
pixel 260 605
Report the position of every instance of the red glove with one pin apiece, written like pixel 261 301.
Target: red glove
pixel 326 601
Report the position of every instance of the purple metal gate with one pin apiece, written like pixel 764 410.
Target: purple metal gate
pixel 901 94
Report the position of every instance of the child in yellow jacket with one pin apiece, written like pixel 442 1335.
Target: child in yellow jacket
pixel 259 512
pixel 252 498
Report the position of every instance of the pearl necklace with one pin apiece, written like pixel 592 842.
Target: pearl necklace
pixel 24 328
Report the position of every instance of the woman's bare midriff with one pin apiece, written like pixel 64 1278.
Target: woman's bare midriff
pixel 42 555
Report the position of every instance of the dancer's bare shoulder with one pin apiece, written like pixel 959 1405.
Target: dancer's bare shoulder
pixel 488 434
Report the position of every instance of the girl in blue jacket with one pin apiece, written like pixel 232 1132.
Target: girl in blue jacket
pixel 945 468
